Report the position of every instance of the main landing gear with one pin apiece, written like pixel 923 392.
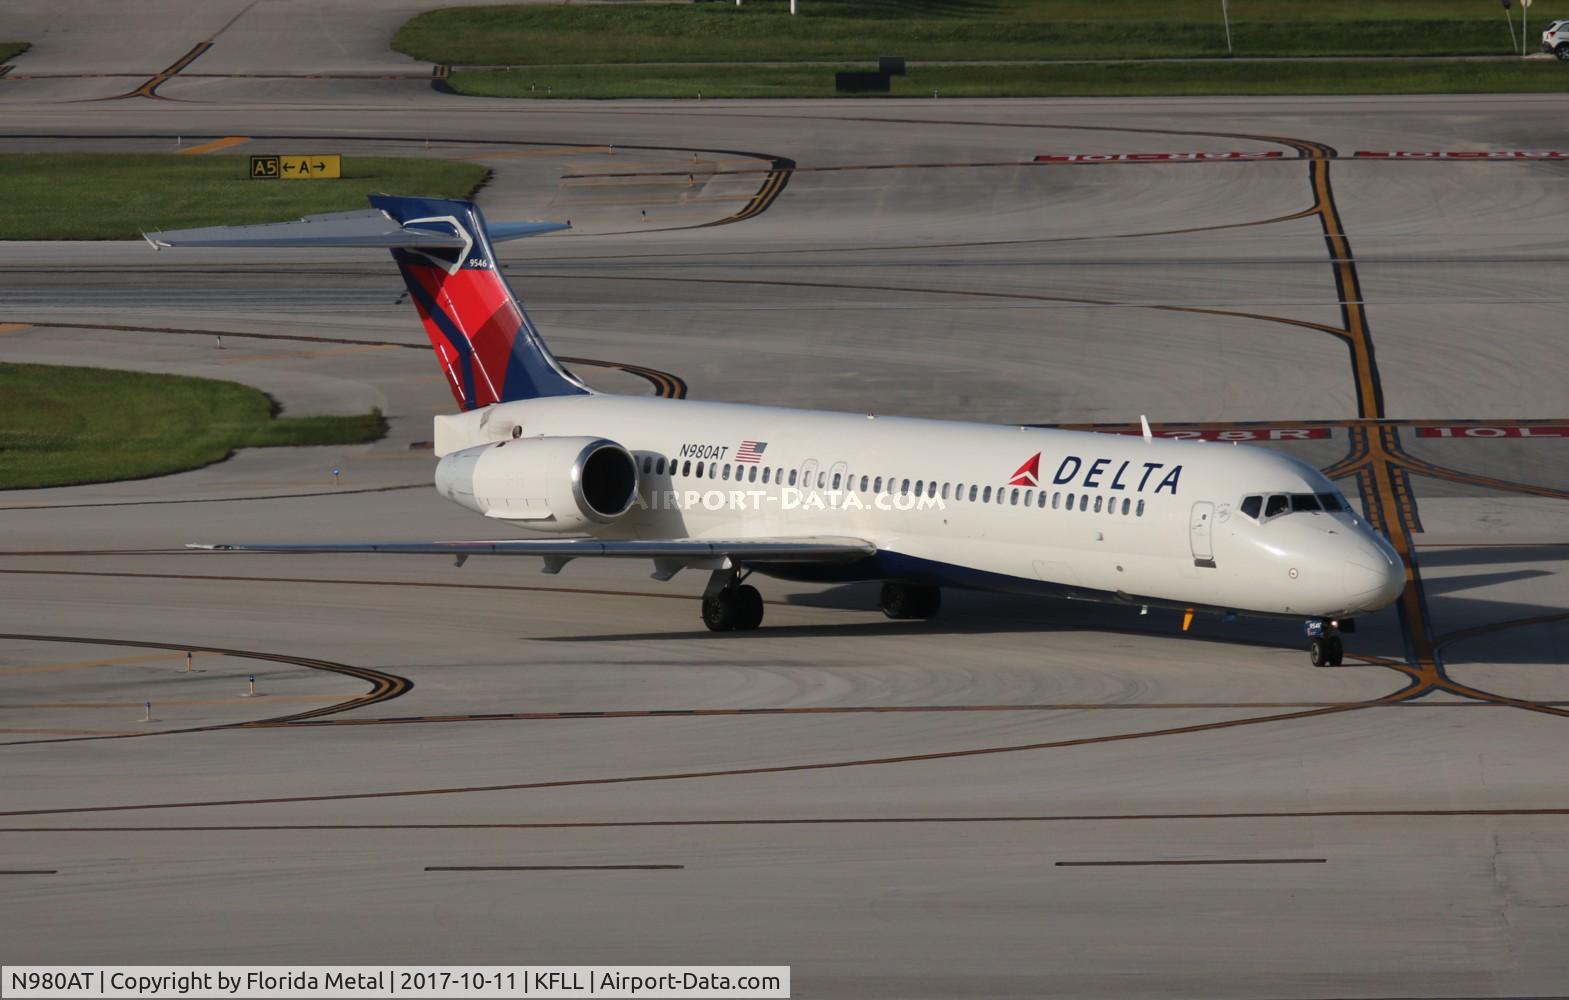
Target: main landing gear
pixel 910 600
pixel 730 605
pixel 1324 646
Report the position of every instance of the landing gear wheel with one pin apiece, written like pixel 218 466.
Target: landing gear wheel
pixel 719 611
pixel 902 601
pixel 729 605
pixel 748 604
pixel 1324 646
pixel 1318 652
pixel 1326 651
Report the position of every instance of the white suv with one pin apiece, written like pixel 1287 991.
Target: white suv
pixel 1556 39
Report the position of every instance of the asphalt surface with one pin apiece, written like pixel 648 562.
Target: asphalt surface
pixel 892 809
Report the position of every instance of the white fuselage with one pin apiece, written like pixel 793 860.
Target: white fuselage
pixel 1150 521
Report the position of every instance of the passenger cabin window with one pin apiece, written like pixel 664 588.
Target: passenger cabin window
pixel 863 484
pixel 766 471
pixel 904 488
pixel 686 467
pixel 1070 502
pixel 877 485
pixel 1084 502
pixel 986 497
pixel 792 477
pixel 1252 506
pixel 1098 501
pixel 973 490
pixel 1126 503
pixel 837 478
pixel 1056 499
pixel 700 470
pixel 945 491
pixel 1139 510
pixel 659 466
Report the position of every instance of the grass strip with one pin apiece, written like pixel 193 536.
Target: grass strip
pixel 114 196
pixel 10 50
pixel 1076 80
pixel 833 30
pixel 60 426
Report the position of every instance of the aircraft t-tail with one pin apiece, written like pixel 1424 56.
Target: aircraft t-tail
pixel 817 496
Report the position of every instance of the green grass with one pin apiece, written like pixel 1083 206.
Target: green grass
pixel 111 196
pixel 61 426
pixel 1100 79
pixel 839 30
pixel 9 50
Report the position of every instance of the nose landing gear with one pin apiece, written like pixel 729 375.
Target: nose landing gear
pixel 1324 646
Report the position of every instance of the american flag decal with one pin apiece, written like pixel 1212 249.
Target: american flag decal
pixel 751 451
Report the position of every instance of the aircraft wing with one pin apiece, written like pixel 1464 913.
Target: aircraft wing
pixel 669 555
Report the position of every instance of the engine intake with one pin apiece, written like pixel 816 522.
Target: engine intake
pixel 565 484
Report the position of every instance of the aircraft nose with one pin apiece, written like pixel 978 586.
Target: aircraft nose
pixel 1373 580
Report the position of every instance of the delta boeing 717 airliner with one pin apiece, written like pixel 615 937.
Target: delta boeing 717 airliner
pixel 817 496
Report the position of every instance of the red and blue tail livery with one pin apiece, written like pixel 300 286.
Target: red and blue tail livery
pixel 488 349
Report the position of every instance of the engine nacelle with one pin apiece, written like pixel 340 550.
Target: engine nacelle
pixel 567 484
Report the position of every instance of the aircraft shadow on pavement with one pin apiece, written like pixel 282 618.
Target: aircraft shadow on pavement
pixel 1513 642
pixel 1262 637
pixel 1487 556
pixel 1472 581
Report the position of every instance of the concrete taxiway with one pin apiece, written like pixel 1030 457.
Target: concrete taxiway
pixel 1016 799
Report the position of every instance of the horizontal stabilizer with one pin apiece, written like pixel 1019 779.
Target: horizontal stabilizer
pixel 365 228
pixel 806 549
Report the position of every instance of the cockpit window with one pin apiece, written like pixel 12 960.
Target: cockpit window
pixel 1276 504
pixel 1332 502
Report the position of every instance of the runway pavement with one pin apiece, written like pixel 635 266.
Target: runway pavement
pixel 893 809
